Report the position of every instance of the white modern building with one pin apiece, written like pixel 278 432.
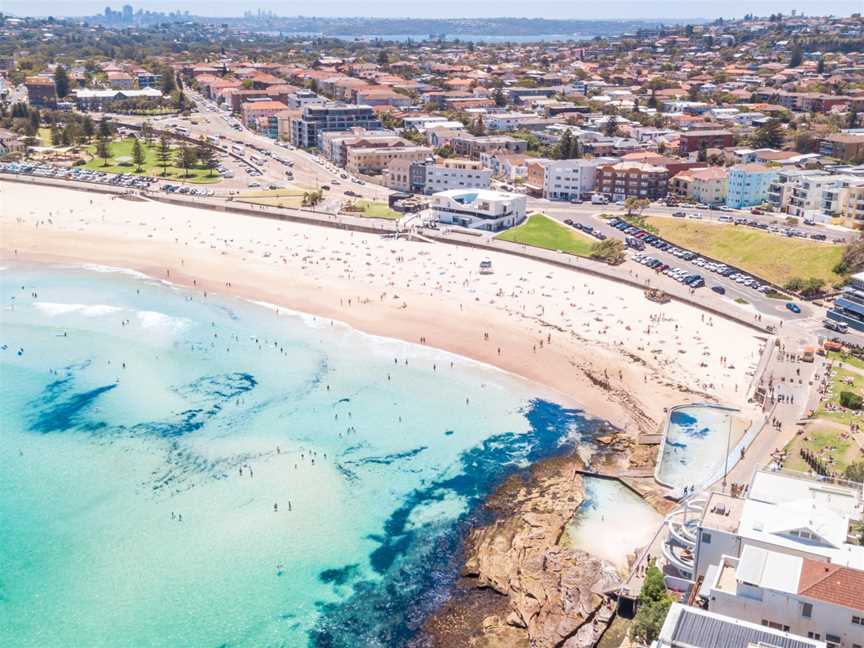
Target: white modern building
pixel 480 209
pixel 783 511
pixel 569 179
pixel 455 173
pixel 690 627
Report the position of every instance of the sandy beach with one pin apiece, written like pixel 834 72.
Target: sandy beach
pixel 588 341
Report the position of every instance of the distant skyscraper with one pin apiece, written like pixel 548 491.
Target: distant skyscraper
pixel 127 13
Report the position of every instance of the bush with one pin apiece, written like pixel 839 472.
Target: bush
pixel 654 603
pixel 855 472
pixel 611 251
pixel 851 400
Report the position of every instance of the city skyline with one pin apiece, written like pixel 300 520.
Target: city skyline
pixel 552 9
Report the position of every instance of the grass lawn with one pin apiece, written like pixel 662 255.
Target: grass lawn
pixel 376 210
pixel 837 358
pixel 291 197
pixel 826 443
pixel 842 380
pixel 151 167
pixel 44 136
pixel 772 257
pixel 544 232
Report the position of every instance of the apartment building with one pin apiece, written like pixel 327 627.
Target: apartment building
pixel 317 119
pixel 809 598
pixel 429 177
pixel 472 146
pixel 253 111
pixel 849 306
pixel 693 141
pixel 480 209
pixel 565 179
pixel 635 179
pixel 335 144
pixel 845 199
pixel 374 159
pixel 707 186
pixel 40 91
pixel 843 146
pixel 748 185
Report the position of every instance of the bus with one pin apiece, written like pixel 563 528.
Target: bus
pixel 256 160
pixel 214 139
pixel 236 148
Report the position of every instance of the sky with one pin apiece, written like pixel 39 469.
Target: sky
pixel 575 9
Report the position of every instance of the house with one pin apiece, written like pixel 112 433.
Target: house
pixel 472 146
pixel 120 80
pixel 480 209
pixel 748 185
pixel 791 593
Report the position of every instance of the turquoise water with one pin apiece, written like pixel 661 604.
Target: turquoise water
pixel 695 448
pixel 126 403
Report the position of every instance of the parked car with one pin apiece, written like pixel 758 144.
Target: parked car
pixel 793 307
pixel 720 290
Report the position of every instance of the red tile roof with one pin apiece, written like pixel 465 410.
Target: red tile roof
pixel 832 584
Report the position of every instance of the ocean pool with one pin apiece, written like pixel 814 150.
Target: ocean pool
pixel 186 471
pixel 695 447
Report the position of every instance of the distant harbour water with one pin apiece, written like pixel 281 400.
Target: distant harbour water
pixel 126 403
pixel 416 38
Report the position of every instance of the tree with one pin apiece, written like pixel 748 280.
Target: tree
pixel 654 603
pixel 104 127
pixel 852 119
pixel 88 127
pixel 383 59
pixel 138 154
pixel 820 66
pixel 56 135
pixel 851 400
pixel 312 198
pixel 855 472
pixel 638 205
pixel 562 149
pixel 769 135
pixel 103 149
pixel 477 128
pixel 500 99
pixel 186 159
pixel 610 129
pixel 796 56
pixel 147 131
pixel 168 85
pixel 163 154
pixel 61 81
pixel 206 156
pixel 702 156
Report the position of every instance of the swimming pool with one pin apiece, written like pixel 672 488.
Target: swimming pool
pixel 695 446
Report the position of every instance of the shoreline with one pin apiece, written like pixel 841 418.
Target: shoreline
pixel 527 343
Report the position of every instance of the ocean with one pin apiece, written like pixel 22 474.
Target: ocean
pixel 182 470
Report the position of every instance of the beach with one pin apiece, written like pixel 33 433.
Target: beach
pixel 588 340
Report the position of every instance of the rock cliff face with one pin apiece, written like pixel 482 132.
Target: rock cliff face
pixel 552 590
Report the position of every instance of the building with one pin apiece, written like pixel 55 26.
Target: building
pixel 849 306
pixel 374 159
pixel 790 593
pixel 334 145
pixel 626 179
pixel 691 627
pixel 120 80
pixel 318 119
pixel 41 91
pixel 843 146
pixel 784 511
pixel 252 111
pixel 748 185
pixel 566 179
pixel 693 141
pixel 472 146
pixel 428 176
pixel 480 209
pixel 845 199
pixel 99 100
pixel 149 80
pixel 706 186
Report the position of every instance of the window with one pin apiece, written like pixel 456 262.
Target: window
pixel 858 620
pixel 814 635
pixel 807 610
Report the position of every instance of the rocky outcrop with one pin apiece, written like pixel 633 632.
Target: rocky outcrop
pixel 553 590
